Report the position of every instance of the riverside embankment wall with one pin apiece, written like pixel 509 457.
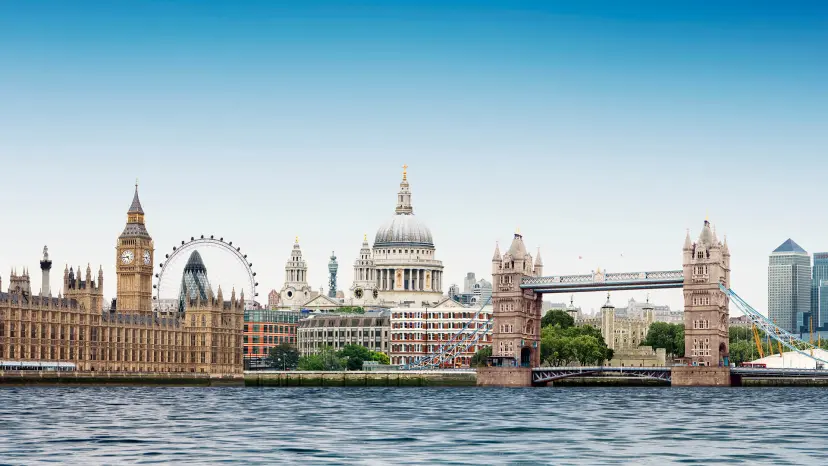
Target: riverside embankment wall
pixel 117 378
pixel 360 379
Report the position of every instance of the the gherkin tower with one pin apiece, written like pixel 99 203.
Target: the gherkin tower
pixel 194 282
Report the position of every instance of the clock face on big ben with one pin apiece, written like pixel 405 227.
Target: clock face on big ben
pixel 147 258
pixel 127 256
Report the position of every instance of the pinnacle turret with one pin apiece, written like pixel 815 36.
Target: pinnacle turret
pixel 404 206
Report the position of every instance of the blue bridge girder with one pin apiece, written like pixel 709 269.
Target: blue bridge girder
pixel 542 375
pixel 605 282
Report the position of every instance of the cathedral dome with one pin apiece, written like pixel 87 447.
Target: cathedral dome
pixel 404 230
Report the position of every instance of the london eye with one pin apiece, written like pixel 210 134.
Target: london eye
pixel 234 271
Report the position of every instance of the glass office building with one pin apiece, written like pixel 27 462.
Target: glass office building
pixel 819 293
pixel 789 286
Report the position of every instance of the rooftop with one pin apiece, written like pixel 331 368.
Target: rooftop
pixel 790 246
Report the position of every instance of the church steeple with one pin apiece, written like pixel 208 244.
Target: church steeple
pixel 404 206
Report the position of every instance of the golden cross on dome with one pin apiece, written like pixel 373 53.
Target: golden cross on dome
pixel 405 172
pixel 297 239
pixel 365 237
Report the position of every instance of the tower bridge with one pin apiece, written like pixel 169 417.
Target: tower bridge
pixel 517 297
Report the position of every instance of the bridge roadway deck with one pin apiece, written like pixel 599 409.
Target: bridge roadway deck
pixel 604 282
pixel 542 375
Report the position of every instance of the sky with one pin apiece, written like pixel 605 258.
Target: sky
pixel 602 130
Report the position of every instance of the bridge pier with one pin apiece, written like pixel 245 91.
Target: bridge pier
pixel 504 377
pixel 700 376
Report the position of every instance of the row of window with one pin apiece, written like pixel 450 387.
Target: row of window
pixel 106 354
pixel 701 323
pixel 700 348
pixel 272 339
pixel 267 328
pixel 439 315
pixel 66 317
pixel 701 300
pixel 266 315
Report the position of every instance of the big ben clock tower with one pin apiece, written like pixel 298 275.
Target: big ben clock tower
pixel 134 262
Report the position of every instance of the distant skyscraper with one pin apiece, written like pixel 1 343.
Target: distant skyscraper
pixel 789 286
pixel 194 282
pixel 819 289
pixel 469 282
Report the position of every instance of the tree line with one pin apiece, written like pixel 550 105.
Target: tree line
pixel 351 357
pixel 562 343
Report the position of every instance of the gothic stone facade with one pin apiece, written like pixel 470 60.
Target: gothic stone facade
pixel 516 312
pixel 706 315
pixel 206 337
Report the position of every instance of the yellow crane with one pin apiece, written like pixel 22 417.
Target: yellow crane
pixel 779 344
pixel 758 342
pixel 811 336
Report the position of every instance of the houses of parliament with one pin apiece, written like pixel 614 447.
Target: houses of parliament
pixel 206 337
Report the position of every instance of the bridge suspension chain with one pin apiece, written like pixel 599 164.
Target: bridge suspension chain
pixel 780 335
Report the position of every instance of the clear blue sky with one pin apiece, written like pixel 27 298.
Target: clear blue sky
pixel 598 128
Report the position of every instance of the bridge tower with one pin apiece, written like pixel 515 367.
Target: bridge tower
pixel 706 316
pixel 517 318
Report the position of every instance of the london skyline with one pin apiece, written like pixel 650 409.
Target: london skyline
pixel 598 131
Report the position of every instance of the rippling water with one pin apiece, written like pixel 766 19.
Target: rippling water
pixel 117 425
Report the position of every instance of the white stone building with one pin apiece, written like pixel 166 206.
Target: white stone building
pixel 296 290
pixel 401 267
pixel 337 331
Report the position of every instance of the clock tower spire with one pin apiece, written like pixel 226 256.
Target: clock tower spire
pixel 134 262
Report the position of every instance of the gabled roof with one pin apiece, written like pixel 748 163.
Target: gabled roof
pixel 448 303
pixel 790 246
pixel 322 300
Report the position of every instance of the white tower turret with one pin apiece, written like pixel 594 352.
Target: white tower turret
pixel 364 288
pixel 45 268
pixel 295 290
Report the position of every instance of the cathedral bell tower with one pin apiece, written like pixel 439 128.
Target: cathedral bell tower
pixel 134 262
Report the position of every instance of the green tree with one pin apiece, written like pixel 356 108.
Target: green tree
pixel 562 346
pixel 480 357
pixel 283 357
pixel 355 355
pixel 588 351
pixel 667 336
pixel 742 351
pixel 349 310
pixel 325 359
pixel 557 317
pixel 381 358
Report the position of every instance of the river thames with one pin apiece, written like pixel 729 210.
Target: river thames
pixel 151 425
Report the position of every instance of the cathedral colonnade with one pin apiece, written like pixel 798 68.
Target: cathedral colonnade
pixel 413 279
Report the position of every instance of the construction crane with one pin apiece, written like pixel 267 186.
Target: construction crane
pixel 811 336
pixel 758 342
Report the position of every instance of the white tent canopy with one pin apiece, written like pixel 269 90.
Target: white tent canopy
pixel 793 360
